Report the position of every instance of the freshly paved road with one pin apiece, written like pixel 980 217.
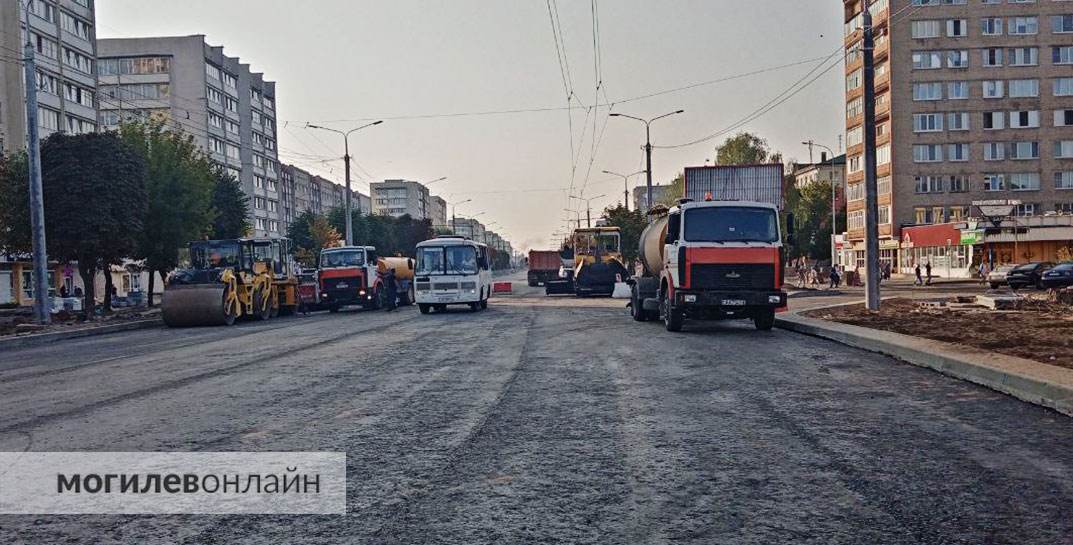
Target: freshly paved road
pixel 552 421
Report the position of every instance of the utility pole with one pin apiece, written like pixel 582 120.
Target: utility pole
pixel 346 162
pixel 625 185
pixel 871 192
pixel 42 304
pixel 648 148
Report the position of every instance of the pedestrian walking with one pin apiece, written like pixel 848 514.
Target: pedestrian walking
pixel 392 290
pixel 920 279
pixel 927 267
pixel 984 272
pixel 835 278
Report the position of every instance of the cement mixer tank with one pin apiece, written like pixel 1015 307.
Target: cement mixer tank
pixel 651 245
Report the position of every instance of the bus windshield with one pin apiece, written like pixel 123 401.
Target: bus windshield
pixel 731 224
pixel 342 258
pixel 215 255
pixel 446 260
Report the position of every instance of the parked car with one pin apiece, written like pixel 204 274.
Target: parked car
pixel 1061 276
pixel 997 277
pixel 1029 274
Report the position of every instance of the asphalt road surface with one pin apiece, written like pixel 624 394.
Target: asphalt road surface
pixel 551 420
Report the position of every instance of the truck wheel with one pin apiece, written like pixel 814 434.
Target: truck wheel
pixel 474 307
pixel 994 285
pixel 425 309
pixel 672 317
pixel 333 308
pixel 764 320
pixel 637 306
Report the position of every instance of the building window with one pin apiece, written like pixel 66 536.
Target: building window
pixel 927 153
pixel 994 182
pixel 1064 207
pixel 927 60
pixel 134 65
pixel 884 215
pixel 1024 56
pixel 927 91
pixel 74 25
pixel 928 184
pixel 214 95
pixel 1063 87
pixel 956 28
pixel 1063 149
pixel 924 216
pixel 957 152
pixel 1062 54
pixel 926 29
pixel 993 88
pixel 230 104
pixel 993 121
pixel 927 122
pixel 1024 181
pixel 958 90
pixel 1024 25
pixel 854 80
pixel 1063 118
pixel 992 56
pixel 77 61
pixel 1063 180
pixel 48 119
pixel 991 26
pixel 259 203
pixel 957 59
pixel 1027 119
pixel 957 121
pixel 1061 24
pixel 1026 209
pixel 883 154
pixel 994 151
pixel 1024 88
pixel 1024 150
pixel 958 184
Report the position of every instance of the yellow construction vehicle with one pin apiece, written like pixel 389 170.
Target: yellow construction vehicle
pixel 597 263
pixel 229 279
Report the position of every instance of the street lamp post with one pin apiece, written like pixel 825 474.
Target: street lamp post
pixel 42 302
pixel 454 207
pixel 346 162
pixel 625 185
pixel 648 147
pixel 424 198
pixel 834 207
pixel 588 208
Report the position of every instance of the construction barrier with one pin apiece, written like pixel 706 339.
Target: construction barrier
pixel 502 287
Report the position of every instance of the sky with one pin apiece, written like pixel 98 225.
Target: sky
pixel 416 63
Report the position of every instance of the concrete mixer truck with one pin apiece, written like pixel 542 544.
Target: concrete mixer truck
pixel 717 254
pixel 353 275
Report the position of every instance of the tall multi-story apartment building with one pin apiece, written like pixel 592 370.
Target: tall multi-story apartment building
pixel 229 110
pixel 303 191
pixel 399 197
pixel 974 101
pixel 437 211
pixel 468 227
pixel 64 35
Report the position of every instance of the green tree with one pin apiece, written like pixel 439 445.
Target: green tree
pixel 180 187
pixel 230 205
pixel 14 208
pixel 301 239
pixel 745 149
pixel 95 203
pixel 630 223
pixel 676 191
pixel 811 206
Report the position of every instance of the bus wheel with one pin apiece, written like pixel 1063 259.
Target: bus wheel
pixel 425 309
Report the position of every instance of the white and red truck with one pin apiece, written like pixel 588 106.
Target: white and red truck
pixel 718 253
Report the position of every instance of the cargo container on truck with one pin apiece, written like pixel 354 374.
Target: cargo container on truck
pixel 544 266
pixel 718 256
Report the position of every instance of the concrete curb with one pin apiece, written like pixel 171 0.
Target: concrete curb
pixel 24 341
pixel 1038 383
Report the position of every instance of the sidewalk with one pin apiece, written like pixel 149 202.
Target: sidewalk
pixel 1034 382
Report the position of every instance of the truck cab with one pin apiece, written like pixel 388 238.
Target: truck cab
pixel 348 275
pixel 719 260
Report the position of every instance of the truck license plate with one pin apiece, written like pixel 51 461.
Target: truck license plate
pixel 342 285
pixel 733 302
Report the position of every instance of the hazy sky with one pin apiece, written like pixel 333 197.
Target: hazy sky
pixel 340 62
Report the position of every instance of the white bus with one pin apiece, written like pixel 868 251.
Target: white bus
pixel 452 270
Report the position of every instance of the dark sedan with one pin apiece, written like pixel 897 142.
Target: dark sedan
pixel 1061 276
pixel 1029 274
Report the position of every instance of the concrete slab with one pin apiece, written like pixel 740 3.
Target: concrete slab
pixel 1038 383
pixel 999 302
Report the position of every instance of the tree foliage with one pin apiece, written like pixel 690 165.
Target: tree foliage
pixel 231 207
pixel 811 207
pixel 745 149
pixel 179 186
pixel 630 223
pixel 95 202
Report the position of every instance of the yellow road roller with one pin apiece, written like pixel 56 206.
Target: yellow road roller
pixel 230 279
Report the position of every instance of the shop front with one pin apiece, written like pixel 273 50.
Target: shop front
pixel 941 245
